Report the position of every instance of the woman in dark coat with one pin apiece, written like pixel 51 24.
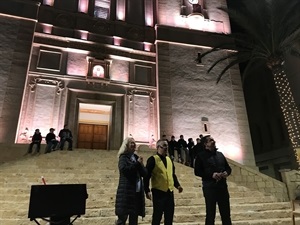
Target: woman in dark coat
pixel 130 199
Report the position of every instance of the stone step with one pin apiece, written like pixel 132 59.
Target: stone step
pixel 97 188
pixel 179 199
pixel 178 217
pixel 98 169
pixel 197 209
pixel 110 221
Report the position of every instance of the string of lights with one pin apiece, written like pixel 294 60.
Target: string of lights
pixel 289 108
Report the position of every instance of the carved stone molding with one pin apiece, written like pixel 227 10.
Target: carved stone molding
pixel 135 33
pixel 101 26
pixel 65 20
pixel 95 48
pixel 59 84
pixel 132 92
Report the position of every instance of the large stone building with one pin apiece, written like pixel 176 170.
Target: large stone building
pixel 115 68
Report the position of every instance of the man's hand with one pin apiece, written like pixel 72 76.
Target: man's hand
pixel 180 189
pixel 225 174
pixel 140 160
pixel 217 176
pixel 149 195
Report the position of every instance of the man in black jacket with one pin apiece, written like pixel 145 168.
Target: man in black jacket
pixel 213 167
pixel 36 140
pixel 65 135
pixel 51 141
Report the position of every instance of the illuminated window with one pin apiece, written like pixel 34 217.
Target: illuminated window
pixel 102 8
pixel 98 71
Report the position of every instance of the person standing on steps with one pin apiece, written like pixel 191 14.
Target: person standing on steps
pixel 161 171
pixel 130 198
pixel 213 167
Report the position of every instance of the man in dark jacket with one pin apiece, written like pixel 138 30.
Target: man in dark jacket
pixel 182 148
pixel 161 170
pixel 213 167
pixel 173 147
pixel 36 140
pixel 51 141
pixel 65 135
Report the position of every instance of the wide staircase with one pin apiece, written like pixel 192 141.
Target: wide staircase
pixel 255 198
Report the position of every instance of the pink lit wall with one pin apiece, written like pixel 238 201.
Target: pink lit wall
pixel 222 104
pixel 119 70
pixel 149 13
pixel 77 64
pixel 169 14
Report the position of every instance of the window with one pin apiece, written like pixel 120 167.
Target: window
pixel 98 69
pixel 102 8
pixel 49 60
pixel 142 75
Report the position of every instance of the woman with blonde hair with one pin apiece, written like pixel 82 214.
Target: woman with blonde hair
pixel 130 198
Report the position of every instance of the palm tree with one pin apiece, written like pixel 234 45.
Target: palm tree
pixel 271 30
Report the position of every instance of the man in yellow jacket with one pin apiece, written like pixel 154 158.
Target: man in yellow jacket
pixel 161 171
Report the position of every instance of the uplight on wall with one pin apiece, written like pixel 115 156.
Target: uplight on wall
pixel 48 2
pixel 147 46
pixel 117 40
pixel 149 21
pixel 84 34
pixel 47 28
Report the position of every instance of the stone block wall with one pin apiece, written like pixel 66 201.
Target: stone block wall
pixel 188 95
pixel 292 180
pixel 16 41
pixel 253 179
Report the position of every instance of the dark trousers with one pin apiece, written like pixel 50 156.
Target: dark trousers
pixel 51 145
pixel 212 197
pixel 171 153
pixel 133 219
pixel 163 203
pixel 38 146
pixel 62 143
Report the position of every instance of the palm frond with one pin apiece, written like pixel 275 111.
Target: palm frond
pixel 286 18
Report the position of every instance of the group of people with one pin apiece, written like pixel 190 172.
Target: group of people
pixel 135 179
pixel 186 150
pixel 53 144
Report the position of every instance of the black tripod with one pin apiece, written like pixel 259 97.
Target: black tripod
pixel 58 220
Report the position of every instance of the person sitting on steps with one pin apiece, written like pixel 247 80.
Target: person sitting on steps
pixel 65 135
pixel 36 139
pixel 51 141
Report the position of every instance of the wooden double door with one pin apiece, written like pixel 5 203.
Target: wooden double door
pixel 92 136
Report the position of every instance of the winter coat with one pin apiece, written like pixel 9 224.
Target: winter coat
pixel 208 162
pixel 127 201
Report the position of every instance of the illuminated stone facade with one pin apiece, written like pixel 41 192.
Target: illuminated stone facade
pixel 140 62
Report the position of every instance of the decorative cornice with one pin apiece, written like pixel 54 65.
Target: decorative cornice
pixel 132 92
pixel 65 20
pixel 58 83
pixel 105 49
